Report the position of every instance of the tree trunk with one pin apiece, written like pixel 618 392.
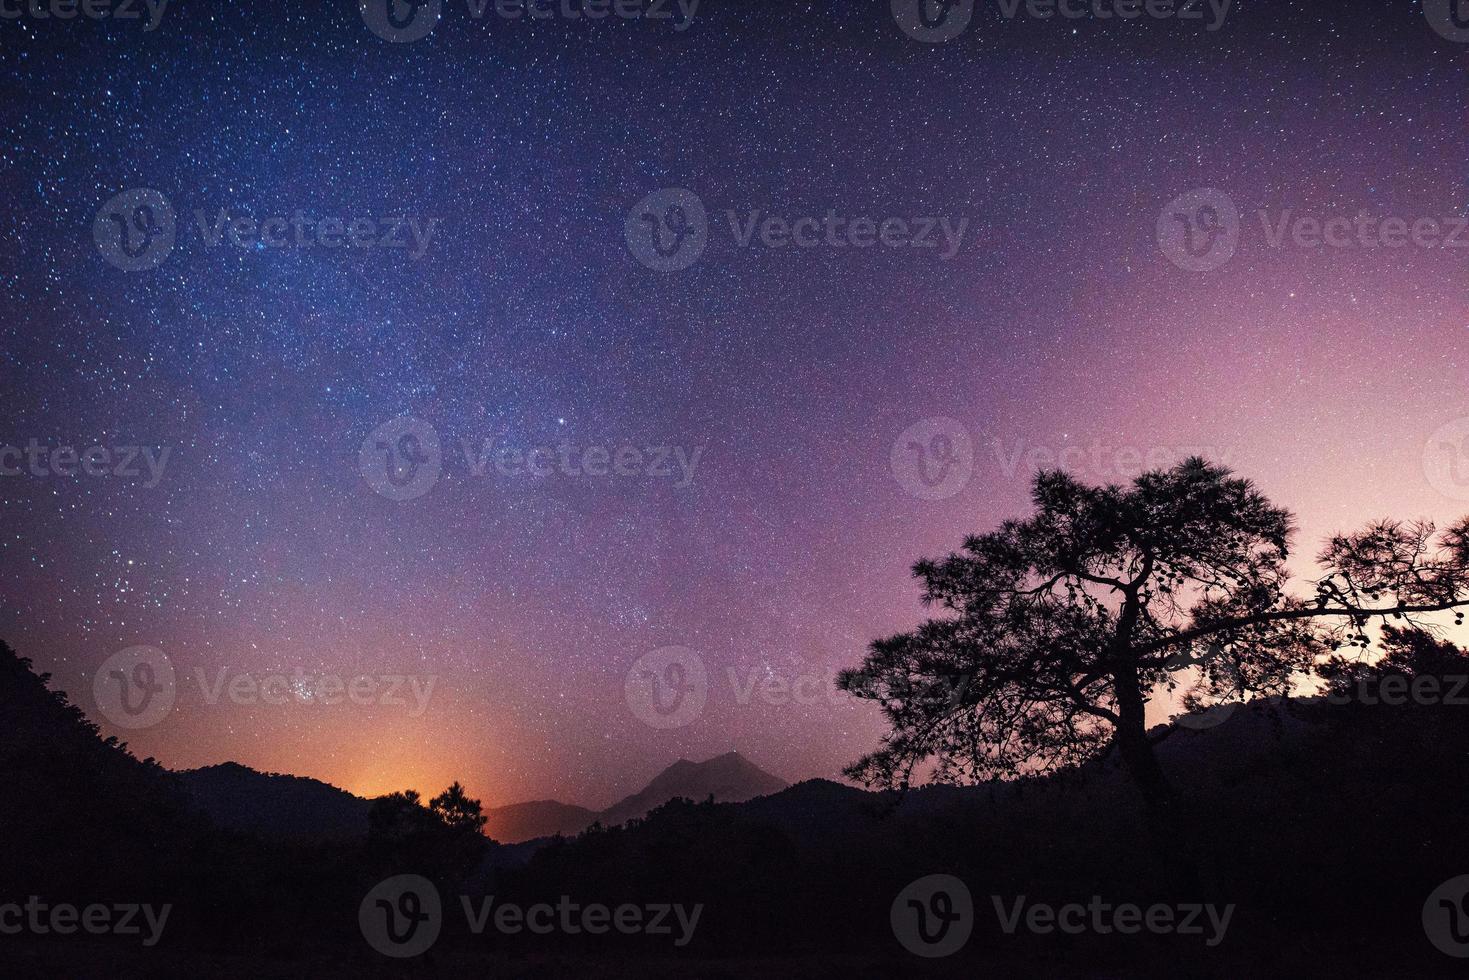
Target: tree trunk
pixel 1167 826
pixel 1134 748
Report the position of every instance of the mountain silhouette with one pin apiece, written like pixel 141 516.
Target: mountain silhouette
pixel 1354 808
pixel 241 799
pixel 245 800
pixel 67 785
pixel 728 778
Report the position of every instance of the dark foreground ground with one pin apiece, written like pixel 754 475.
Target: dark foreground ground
pixel 1326 826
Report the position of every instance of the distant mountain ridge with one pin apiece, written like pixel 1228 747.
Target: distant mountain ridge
pixel 239 798
pixel 729 778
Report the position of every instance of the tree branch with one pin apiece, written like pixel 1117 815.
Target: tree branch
pixel 1283 615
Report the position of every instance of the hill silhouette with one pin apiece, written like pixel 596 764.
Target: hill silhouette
pixel 74 794
pixel 278 805
pixel 239 798
pixel 1323 822
pixel 1325 825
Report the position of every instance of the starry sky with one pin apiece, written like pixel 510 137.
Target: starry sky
pixel 1328 375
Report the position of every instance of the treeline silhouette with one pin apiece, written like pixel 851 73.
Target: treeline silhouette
pixel 1326 821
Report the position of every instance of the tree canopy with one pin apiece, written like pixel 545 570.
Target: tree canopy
pixel 1056 630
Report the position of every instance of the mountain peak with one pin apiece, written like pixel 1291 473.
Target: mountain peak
pixel 728 758
pixel 728 778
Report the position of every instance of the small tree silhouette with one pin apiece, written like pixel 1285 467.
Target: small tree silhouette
pixel 457 811
pixel 1059 628
pixel 399 817
pixel 403 816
